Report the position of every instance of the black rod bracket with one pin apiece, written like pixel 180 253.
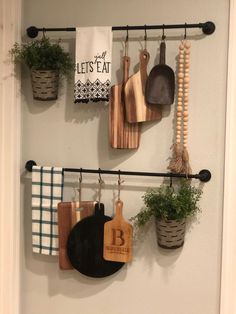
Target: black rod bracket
pixel 208 28
pixel 204 175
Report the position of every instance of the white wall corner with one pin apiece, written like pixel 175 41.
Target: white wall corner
pixel 228 275
pixel 10 29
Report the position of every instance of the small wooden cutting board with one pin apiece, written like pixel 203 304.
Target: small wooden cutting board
pixel 123 135
pixel 68 216
pixel 137 109
pixel 118 238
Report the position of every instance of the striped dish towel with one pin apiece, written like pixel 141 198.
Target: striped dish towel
pixel 47 191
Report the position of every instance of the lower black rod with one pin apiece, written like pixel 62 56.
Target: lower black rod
pixel 207 28
pixel 204 175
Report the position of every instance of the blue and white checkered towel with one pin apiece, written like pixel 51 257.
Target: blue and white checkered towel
pixel 47 191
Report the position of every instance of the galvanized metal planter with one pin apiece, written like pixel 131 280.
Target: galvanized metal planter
pixel 170 233
pixel 45 84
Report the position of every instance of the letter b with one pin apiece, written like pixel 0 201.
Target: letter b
pixel 118 237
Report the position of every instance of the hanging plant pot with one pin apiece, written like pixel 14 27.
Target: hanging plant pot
pixel 45 84
pixel 170 233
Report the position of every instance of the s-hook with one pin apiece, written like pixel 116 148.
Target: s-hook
pixel 100 183
pixel 145 37
pixel 126 41
pixel 80 184
pixel 78 187
pixel 185 31
pixel 163 37
pixel 127 33
pixel 119 185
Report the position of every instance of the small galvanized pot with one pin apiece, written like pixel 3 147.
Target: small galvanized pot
pixel 170 233
pixel 45 84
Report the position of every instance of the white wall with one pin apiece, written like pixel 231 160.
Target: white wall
pixel 186 281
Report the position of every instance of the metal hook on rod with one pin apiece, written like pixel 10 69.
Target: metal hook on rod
pixel 163 37
pixel 127 33
pixel 78 187
pixel 100 183
pixel 145 37
pixel 119 184
pixel 44 32
pixel 171 182
pixel 185 31
pixel 80 184
pixel 80 175
pixel 126 41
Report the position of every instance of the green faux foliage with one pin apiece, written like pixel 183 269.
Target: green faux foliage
pixel 42 54
pixel 169 203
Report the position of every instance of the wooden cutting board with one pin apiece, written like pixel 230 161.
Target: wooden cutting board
pixel 136 107
pixel 83 209
pixel 122 134
pixel 118 238
pixel 68 216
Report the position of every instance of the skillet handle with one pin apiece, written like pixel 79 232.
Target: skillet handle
pixel 126 64
pixel 163 53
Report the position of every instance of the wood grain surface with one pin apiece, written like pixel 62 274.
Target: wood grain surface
pixel 68 216
pixel 136 107
pixel 122 134
pixel 118 238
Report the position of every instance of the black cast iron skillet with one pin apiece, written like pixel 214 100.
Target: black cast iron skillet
pixel 85 246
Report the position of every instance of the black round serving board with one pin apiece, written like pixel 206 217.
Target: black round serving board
pixel 85 246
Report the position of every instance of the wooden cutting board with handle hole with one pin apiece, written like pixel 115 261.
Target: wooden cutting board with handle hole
pixel 118 237
pixel 122 134
pixel 69 213
pixel 136 107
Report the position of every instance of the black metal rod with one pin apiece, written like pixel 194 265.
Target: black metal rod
pixel 207 28
pixel 204 175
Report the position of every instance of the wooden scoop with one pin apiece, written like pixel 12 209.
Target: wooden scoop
pixel 122 134
pixel 160 85
pixel 137 109
pixel 118 238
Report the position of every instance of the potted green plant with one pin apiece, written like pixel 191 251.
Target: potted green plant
pixel 46 61
pixel 170 206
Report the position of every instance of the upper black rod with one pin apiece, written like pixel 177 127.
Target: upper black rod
pixel 204 175
pixel 207 28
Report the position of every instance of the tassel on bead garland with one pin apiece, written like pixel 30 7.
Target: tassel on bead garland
pixel 186 165
pixel 176 163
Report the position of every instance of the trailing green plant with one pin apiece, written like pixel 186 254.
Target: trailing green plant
pixel 42 54
pixel 167 202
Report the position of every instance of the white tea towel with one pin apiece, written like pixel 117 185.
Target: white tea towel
pixel 47 191
pixel 93 63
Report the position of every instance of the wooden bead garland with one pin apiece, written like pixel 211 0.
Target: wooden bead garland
pixel 180 160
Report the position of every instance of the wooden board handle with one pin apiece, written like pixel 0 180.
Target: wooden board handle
pixel 119 207
pixel 144 59
pixel 126 64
